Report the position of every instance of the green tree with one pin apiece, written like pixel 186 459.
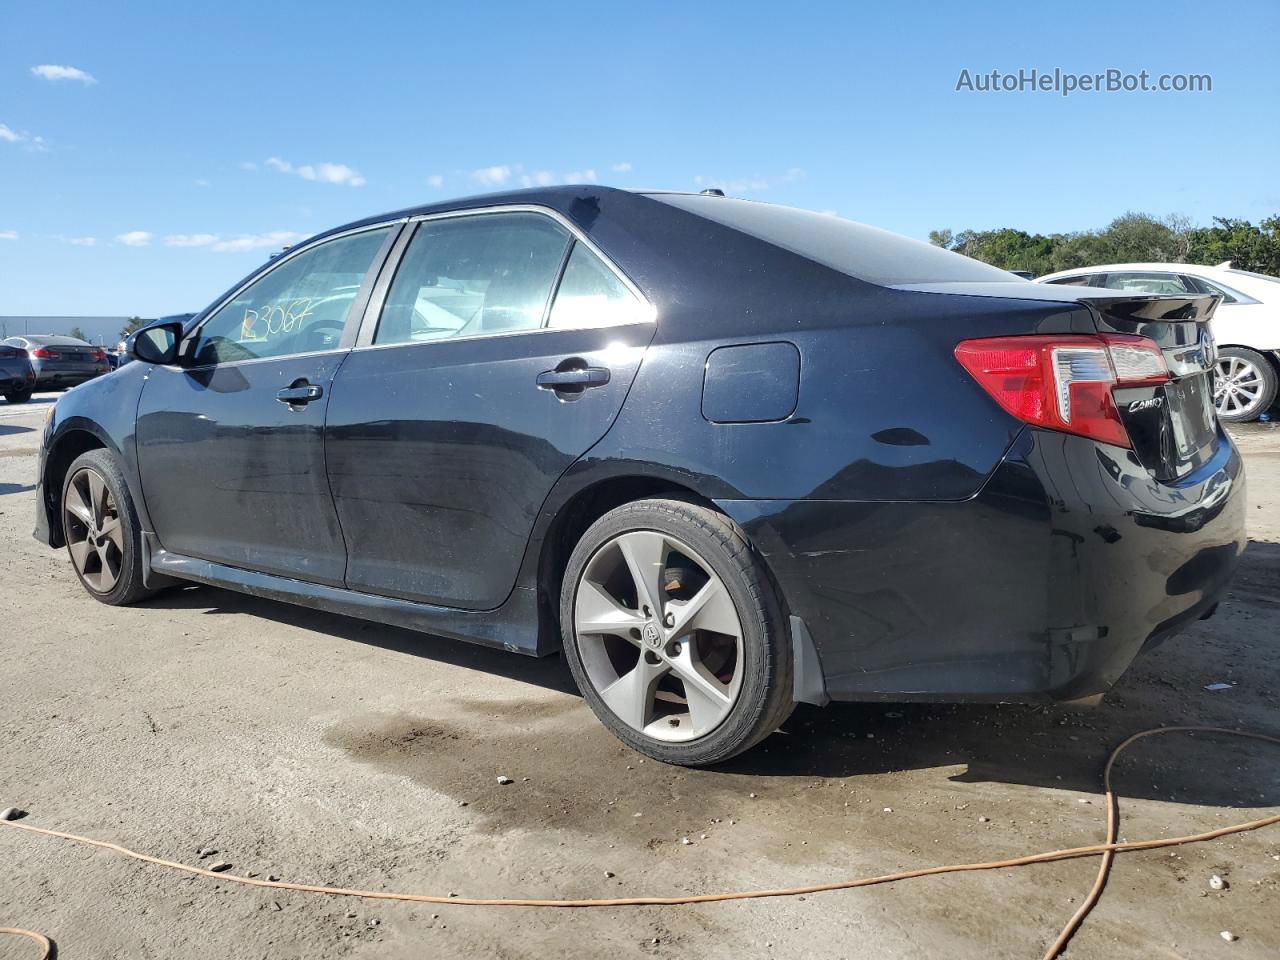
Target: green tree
pixel 133 326
pixel 78 334
pixel 1130 238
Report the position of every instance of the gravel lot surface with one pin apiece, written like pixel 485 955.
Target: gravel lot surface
pixel 327 750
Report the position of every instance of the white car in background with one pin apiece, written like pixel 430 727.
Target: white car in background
pixel 1246 325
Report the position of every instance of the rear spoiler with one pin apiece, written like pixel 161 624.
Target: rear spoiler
pixel 1121 313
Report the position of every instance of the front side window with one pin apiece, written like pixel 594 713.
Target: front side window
pixel 473 276
pixel 591 295
pixel 299 307
pixel 1165 283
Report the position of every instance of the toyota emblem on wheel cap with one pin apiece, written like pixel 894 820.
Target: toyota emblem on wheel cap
pixel 651 634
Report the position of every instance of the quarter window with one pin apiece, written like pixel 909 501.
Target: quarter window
pixel 591 295
pixel 1078 280
pixel 1204 286
pixel 473 276
pixel 299 307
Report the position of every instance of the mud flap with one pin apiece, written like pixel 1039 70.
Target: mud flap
pixel 808 683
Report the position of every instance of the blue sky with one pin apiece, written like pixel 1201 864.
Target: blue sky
pixel 205 135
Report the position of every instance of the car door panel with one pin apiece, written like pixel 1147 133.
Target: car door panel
pixel 233 475
pixel 441 454
pixel 230 440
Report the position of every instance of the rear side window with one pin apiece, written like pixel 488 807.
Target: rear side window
pixel 1165 283
pixel 1078 280
pixel 1204 286
pixel 592 295
pixel 299 307
pixel 867 253
pixel 473 276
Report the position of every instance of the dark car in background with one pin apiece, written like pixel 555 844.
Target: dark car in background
pixel 60 362
pixel 727 456
pixel 17 379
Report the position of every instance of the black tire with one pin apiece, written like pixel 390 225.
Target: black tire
pixel 765 697
pixel 1266 373
pixel 128 587
pixel 20 396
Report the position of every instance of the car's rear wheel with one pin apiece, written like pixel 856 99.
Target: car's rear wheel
pixel 674 634
pixel 19 396
pixel 1244 384
pixel 101 528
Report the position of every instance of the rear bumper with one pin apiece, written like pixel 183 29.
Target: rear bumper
pixel 1045 585
pixel 70 376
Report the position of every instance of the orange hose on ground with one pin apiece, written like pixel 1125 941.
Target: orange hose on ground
pixel 1107 850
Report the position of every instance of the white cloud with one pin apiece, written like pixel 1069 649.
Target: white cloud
pixel 8 234
pixel 248 165
pixel 32 142
pixel 621 168
pixel 201 183
pixel 83 241
pixel 581 176
pixel 51 71
pixel 256 241
pixel 331 173
pixel 190 239
pixel 134 238
pixel 492 176
pixel 319 172
pixel 435 181
pixel 540 178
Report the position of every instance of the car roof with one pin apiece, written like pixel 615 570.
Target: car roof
pixel 52 339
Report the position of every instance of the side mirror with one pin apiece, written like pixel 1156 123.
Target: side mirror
pixel 157 343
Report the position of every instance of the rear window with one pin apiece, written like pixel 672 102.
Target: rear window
pixel 867 253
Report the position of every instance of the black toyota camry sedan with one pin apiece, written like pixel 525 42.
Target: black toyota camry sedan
pixel 727 456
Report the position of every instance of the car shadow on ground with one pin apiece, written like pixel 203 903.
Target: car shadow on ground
pixel 8 429
pixel 1054 746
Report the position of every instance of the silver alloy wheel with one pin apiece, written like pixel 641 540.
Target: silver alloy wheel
pixel 1237 386
pixel 94 535
pixel 659 636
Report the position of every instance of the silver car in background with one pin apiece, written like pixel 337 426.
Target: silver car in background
pixel 60 362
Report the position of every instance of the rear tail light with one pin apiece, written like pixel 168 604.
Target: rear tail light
pixel 100 356
pixel 1064 383
pixel 44 354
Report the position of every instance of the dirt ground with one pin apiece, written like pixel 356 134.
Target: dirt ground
pixel 327 750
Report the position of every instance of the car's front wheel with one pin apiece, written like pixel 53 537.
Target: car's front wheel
pixel 102 531
pixel 1244 384
pixel 19 396
pixel 674 634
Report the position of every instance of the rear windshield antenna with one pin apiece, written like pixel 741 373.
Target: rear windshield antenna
pixel 712 192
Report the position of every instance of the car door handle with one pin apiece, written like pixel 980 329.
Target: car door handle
pixel 300 393
pixel 576 377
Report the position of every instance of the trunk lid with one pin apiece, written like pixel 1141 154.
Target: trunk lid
pixel 1173 425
